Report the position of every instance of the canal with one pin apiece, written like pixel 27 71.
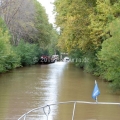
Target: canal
pixel 26 88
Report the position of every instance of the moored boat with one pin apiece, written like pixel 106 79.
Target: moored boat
pixel 44 59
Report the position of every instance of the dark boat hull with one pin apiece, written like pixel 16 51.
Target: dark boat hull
pixel 46 60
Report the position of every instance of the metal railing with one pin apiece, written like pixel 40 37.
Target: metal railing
pixel 46 113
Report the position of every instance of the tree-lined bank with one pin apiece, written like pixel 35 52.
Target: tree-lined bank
pixel 25 33
pixel 90 29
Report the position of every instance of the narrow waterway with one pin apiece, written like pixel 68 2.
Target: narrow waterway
pixel 26 88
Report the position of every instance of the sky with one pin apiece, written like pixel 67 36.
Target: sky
pixel 49 8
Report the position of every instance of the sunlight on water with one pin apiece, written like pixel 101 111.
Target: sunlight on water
pixel 53 79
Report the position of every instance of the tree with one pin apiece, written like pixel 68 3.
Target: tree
pixel 102 15
pixel 43 27
pixel 109 58
pixel 52 47
pixel 26 20
pixel 29 53
pixel 8 58
pixel 19 20
pixel 72 18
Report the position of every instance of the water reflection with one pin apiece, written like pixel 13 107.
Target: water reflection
pixel 50 86
pixel 51 81
pixel 26 88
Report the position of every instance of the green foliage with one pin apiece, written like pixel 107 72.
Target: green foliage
pixel 91 3
pixel 90 65
pixel 29 53
pixel 34 27
pixel 8 58
pixel 102 15
pixel 88 28
pixel 77 56
pixel 73 20
pixel 109 58
pixel 116 8
pixel 46 35
pixel 52 47
pixel 84 60
pixel 43 33
pixel 3 25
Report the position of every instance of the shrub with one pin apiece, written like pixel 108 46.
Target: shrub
pixel 109 56
pixel 29 53
pixel 8 58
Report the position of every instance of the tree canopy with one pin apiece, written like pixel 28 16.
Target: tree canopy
pixel 89 29
pixel 25 33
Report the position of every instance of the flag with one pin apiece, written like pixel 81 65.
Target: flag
pixel 96 91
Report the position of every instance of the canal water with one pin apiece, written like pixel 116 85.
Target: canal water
pixel 26 88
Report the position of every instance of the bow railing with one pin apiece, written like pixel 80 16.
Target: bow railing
pixel 47 108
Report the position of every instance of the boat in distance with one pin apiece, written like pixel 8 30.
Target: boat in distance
pixel 44 59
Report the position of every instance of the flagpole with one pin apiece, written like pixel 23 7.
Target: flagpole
pixel 96 99
pixel 96 96
pixel 95 82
